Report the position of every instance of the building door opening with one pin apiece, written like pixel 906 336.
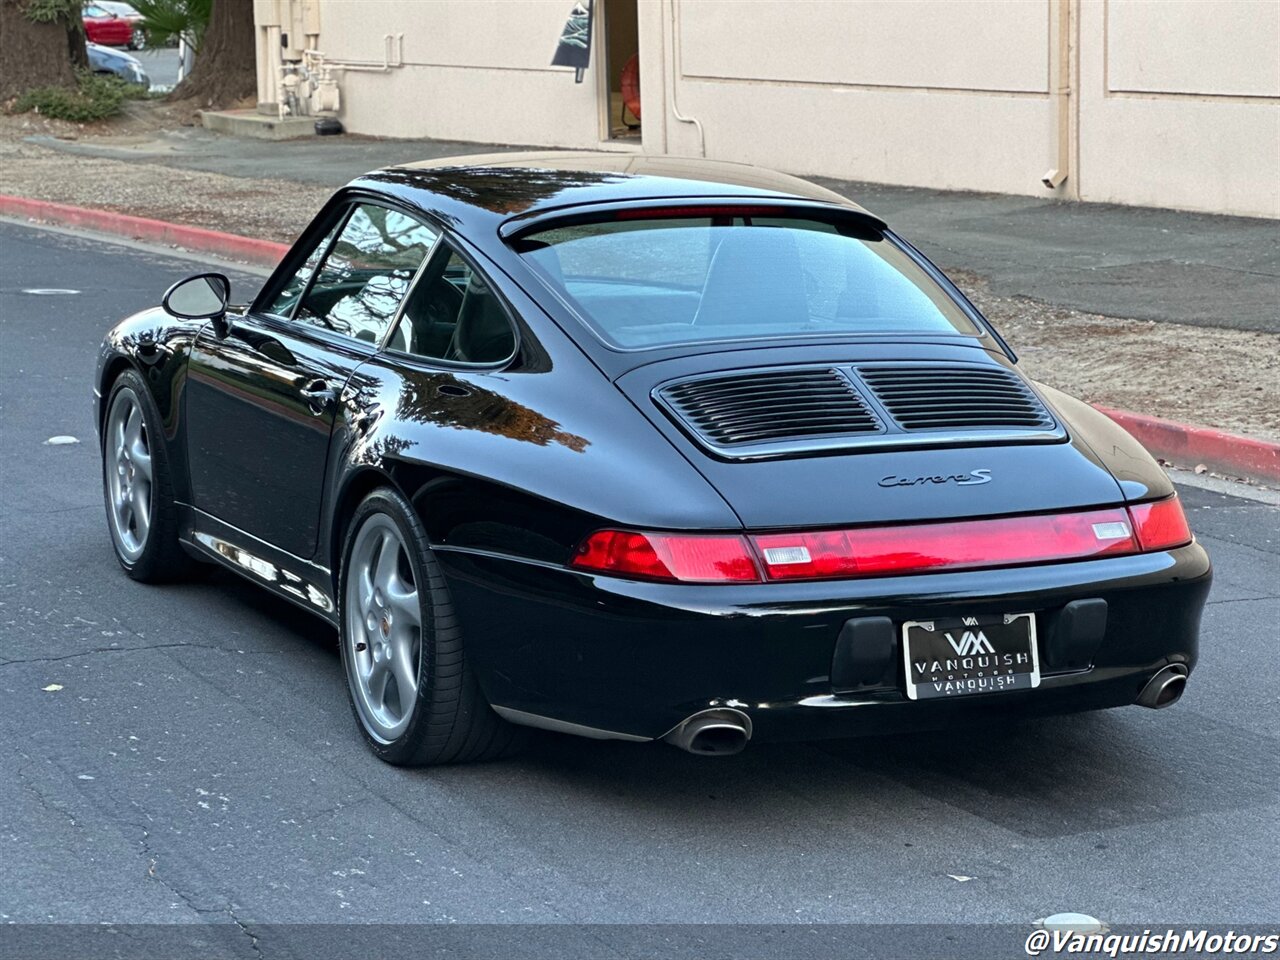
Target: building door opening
pixel 621 69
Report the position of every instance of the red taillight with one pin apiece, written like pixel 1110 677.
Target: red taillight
pixel 666 556
pixel 884 551
pixel 1160 525
pixel 965 544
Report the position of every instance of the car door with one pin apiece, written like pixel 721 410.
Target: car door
pixel 263 389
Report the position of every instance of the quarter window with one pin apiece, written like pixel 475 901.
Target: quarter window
pixel 454 315
pixel 287 299
pixel 366 273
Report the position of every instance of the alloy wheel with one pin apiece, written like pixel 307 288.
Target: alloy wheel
pixel 384 629
pixel 127 456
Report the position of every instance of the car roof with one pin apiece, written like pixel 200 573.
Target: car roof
pixel 485 190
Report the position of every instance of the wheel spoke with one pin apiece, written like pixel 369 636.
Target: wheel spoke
pixel 364 584
pixel 379 677
pixel 133 428
pixel 142 509
pixel 141 460
pixel 404 603
pixel 406 672
pixel 385 571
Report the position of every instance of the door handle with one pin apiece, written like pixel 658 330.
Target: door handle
pixel 319 395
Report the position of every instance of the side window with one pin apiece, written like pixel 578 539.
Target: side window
pixel 454 315
pixel 367 272
pixel 287 298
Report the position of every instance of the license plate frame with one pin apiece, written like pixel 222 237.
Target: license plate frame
pixel 969 655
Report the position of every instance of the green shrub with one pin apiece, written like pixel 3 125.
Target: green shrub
pixel 94 98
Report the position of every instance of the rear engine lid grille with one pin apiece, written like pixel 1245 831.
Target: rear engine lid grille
pixel 935 397
pixel 782 411
pixel 770 406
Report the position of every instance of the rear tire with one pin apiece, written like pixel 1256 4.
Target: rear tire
pixel 138 486
pixel 414 695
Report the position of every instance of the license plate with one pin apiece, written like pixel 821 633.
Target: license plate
pixel 959 656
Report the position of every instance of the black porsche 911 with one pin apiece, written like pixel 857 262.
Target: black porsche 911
pixel 643 448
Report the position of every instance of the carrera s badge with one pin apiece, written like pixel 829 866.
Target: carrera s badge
pixel 969 479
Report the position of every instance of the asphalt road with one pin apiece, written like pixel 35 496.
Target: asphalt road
pixel 161 64
pixel 198 763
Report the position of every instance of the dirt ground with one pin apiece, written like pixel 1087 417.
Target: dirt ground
pixel 266 208
pixel 1228 379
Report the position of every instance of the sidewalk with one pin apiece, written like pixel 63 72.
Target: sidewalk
pixel 1171 314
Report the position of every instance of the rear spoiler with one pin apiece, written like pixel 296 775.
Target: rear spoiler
pixel 661 208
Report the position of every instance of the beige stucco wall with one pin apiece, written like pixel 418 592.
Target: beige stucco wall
pixel 1180 104
pixel 473 70
pixel 942 94
pixel 1171 103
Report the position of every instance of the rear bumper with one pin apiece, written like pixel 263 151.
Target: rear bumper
pixel 622 657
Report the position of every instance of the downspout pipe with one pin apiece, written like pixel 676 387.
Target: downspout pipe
pixel 675 71
pixel 1056 177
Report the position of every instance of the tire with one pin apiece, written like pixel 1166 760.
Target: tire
pixel 152 555
pixel 398 629
pixel 138 41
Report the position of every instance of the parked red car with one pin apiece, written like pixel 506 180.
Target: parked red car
pixel 104 27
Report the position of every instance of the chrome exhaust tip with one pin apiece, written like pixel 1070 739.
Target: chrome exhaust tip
pixel 721 732
pixel 1165 688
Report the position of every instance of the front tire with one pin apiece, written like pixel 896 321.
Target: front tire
pixel 138 486
pixel 415 697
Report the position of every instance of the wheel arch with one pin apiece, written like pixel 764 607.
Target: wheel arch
pixel 111 372
pixel 465 511
pixel 357 486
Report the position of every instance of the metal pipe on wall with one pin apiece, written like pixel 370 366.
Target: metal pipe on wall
pixel 1061 96
pixel 675 72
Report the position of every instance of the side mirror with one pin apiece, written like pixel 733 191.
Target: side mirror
pixel 202 297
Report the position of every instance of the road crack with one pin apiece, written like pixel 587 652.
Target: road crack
pixel 1240 600
pixel 153 873
pixel 98 650
pixel 23 775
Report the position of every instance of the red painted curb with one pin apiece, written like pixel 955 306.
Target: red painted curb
pixel 1189 446
pixel 259 252
pixel 1176 442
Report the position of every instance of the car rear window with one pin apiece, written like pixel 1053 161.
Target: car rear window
pixel 645 283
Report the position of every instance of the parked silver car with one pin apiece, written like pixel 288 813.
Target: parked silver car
pixel 123 65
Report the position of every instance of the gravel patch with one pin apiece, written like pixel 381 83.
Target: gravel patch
pixel 1211 376
pixel 268 209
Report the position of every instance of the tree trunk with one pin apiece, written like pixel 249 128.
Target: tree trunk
pixel 226 66
pixel 31 54
pixel 75 45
